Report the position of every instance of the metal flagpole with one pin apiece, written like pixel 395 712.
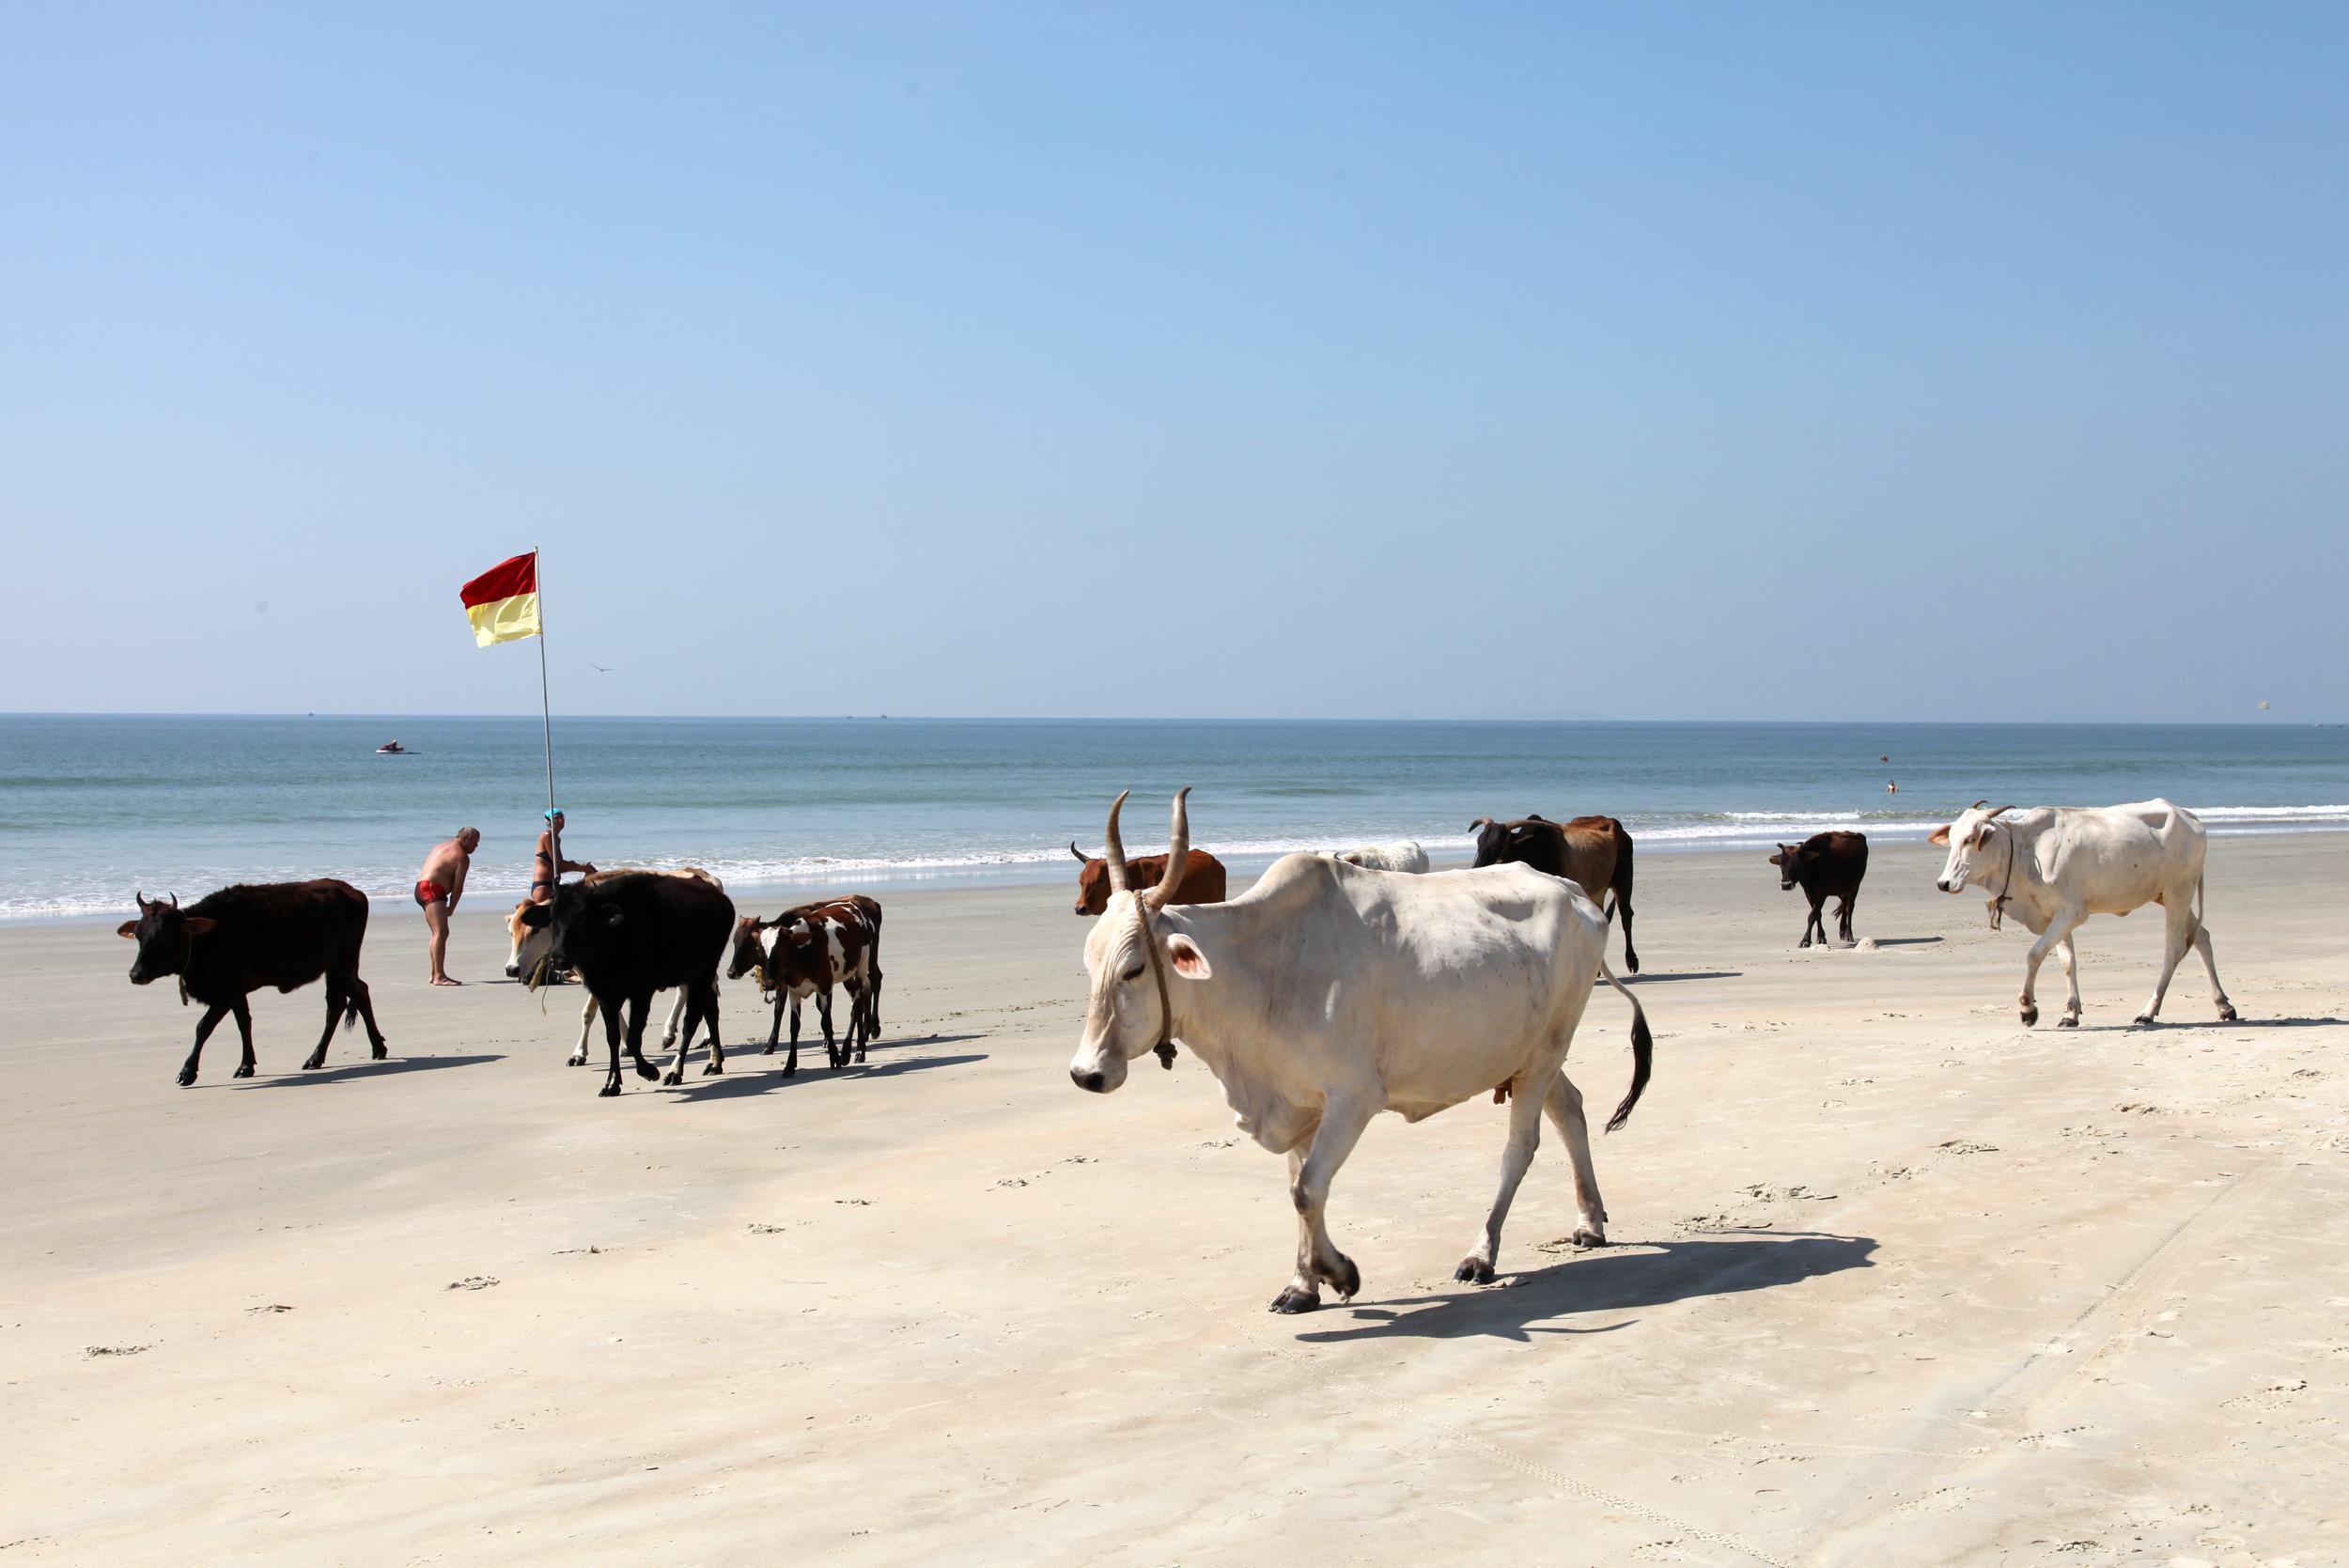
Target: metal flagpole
pixel 546 719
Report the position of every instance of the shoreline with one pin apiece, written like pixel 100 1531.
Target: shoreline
pixel 1245 867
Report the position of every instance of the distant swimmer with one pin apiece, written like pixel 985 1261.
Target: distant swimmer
pixel 1892 786
pixel 543 869
pixel 438 888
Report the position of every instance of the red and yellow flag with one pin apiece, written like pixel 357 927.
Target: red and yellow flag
pixel 503 602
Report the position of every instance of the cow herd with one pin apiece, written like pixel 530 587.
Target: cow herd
pixel 1341 984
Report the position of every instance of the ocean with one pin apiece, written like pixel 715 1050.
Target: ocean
pixel 93 808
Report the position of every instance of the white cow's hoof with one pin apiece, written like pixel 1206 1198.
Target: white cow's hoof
pixel 2069 1020
pixel 1295 1301
pixel 1473 1271
pixel 1586 1237
pixel 2226 1011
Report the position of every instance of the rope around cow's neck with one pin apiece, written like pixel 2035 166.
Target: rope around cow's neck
pixel 2006 889
pixel 1165 1048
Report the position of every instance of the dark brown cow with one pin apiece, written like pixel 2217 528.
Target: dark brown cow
pixel 807 952
pixel 1829 865
pixel 1202 883
pixel 229 944
pixel 1593 851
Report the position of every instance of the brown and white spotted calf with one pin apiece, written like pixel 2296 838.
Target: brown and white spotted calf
pixel 807 952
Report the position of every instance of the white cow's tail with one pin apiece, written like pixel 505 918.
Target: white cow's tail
pixel 1642 1050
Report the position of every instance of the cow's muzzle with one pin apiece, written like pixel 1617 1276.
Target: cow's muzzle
pixel 140 977
pixel 1091 1080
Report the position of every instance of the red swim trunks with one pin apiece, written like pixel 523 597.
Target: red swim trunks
pixel 429 894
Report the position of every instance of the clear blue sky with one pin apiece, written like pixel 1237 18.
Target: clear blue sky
pixel 1830 361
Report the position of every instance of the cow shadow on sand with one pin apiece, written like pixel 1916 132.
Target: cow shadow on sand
pixel 731 1084
pixel 365 1069
pixel 2173 1025
pixel 1653 1274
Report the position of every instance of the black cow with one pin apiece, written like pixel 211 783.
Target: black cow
pixel 1593 852
pixel 229 944
pixel 1829 865
pixel 632 936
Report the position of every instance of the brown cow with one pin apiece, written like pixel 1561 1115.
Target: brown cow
pixel 1592 851
pixel 1203 882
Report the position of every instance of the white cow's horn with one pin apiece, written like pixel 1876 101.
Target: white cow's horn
pixel 1979 804
pixel 1996 813
pixel 1114 852
pixel 1177 855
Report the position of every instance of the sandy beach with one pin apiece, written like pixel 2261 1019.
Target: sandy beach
pixel 1893 1281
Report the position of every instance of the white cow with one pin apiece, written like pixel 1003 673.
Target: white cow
pixel 2056 866
pixel 1404 856
pixel 1327 993
pixel 531 927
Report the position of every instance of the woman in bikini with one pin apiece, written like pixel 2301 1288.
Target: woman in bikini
pixel 542 867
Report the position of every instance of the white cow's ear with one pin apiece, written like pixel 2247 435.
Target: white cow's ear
pixel 1939 835
pixel 1189 962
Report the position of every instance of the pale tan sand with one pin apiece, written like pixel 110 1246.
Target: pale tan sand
pixel 1896 1280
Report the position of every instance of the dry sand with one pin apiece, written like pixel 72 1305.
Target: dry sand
pixel 1894 1281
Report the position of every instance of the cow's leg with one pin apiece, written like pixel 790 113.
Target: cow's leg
pixel 2068 951
pixel 204 1027
pixel 677 1063
pixel 872 993
pixel 669 1031
pixel 709 989
pixel 242 1010
pixel 336 1003
pixel 774 1029
pixel 2177 934
pixel 1525 1136
pixel 2059 930
pixel 376 1045
pixel 638 1005
pixel 823 1010
pixel 2210 963
pixel 698 1001
pixel 1623 907
pixel 587 1022
pixel 1310 1174
pixel 610 1006
pixel 1843 916
pixel 1564 1107
pixel 859 1020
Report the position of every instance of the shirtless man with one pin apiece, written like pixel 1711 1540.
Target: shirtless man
pixel 438 887
pixel 542 866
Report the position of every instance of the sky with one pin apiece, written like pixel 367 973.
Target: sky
pixel 1645 362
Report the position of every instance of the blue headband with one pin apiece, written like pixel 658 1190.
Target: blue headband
pixel 555 812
